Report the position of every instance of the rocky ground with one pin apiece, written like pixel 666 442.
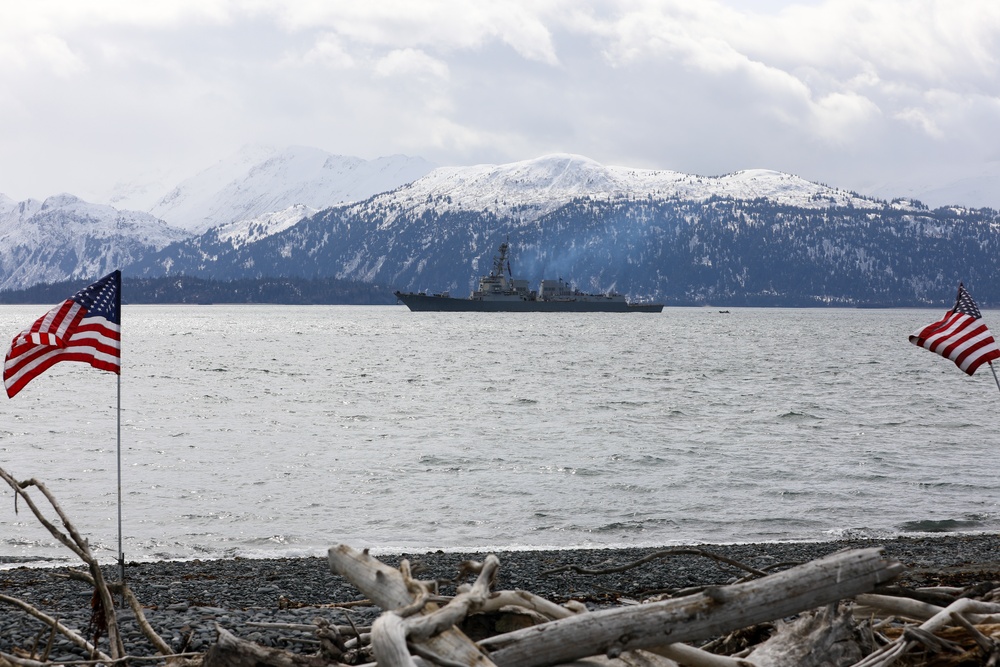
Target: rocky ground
pixel 185 601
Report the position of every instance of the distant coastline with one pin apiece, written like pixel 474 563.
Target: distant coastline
pixel 333 291
pixel 191 290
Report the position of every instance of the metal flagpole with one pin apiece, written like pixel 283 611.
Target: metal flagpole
pixel 994 373
pixel 121 552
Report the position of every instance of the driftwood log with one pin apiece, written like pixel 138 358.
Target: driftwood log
pixel 609 632
pixel 716 611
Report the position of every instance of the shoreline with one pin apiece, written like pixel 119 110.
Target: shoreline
pixel 156 583
pixel 68 560
pixel 241 593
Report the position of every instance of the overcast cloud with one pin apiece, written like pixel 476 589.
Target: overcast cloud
pixel 852 93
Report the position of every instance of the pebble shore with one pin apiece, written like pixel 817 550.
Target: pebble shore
pixel 185 601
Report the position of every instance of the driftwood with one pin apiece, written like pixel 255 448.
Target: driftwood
pixel 716 611
pixel 614 631
pixel 231 651
pixel 402 597
pixel 963 612
pixel 826 637
pixel 396 591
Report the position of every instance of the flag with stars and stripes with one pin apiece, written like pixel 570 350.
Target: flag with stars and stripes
pixel 960 336
pixel 85 327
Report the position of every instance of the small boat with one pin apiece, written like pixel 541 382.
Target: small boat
pixel 500 292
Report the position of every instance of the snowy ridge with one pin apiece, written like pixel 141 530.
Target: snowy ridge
pixel 66 238
pixel 261 180
pixel 243 232
pixel 539 186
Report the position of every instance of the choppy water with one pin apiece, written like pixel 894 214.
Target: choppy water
pixel 280 430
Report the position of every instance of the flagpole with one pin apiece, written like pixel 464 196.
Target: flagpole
pixel 121 553
pixel 994 374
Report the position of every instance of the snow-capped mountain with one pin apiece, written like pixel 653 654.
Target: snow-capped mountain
pixel 532 188
pixel 65 238
pixel 752 237
pixel 261 180
pixel 258 192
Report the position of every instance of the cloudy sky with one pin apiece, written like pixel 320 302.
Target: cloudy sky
pixel 859 94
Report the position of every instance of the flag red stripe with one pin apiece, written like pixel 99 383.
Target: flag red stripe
pixel 24 363
pixel 96 342
pixel 977 354
pixel 971 350
pixel 955 343
pixel 941 331
pixel 45 362
pixel 52 328
pixel 960 336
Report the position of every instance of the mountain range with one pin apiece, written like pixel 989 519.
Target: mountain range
pixel 259 181
pixel 65 238
pixel 754 237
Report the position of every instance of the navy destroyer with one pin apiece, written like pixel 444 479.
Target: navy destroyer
pixel 500 292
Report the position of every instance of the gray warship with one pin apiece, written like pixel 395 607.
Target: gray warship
pixel 500 292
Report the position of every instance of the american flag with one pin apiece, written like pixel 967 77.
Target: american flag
pixel 85 327
pixel 960 336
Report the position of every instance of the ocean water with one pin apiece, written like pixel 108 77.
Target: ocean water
pixel 266 431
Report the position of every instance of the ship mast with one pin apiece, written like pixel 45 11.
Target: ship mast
pixel 498 262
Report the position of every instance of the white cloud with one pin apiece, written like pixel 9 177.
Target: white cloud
pixel 920 120
pixel 841 117
pixel 411 63
pixel 837 90
pixel 441 25
pixel 56 55
pixel 329 51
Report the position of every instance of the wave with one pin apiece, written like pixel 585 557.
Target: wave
pixel 939 526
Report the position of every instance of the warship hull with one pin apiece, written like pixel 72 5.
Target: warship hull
pixel 439 303
pixel 500 292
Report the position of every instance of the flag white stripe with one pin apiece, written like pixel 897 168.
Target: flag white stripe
pixel 84 342
pixel 965 345
pixel 52 330
pixel 57 352
pixel 979 354
pixel 941 339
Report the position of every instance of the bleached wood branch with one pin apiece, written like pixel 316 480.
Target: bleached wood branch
pixel 716 611
pixel 231 651
pixel 681 653
pixel 967 607
pixel 387 588
pixel 458 608
pixel 69 633
pixel 980 612
pixel 526 600
pixel 689 656
pixel 78 545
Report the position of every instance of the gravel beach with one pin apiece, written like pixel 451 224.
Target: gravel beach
pixel 185 600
